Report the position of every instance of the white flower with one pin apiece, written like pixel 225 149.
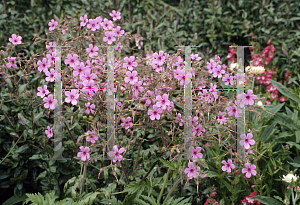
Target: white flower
pixel 255 70
pixel 289 178
pixel 233 66
pixel 259 103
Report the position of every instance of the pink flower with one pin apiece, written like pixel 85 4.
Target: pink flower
pixel 50 102
pixel 160 59
pixel 234 110
pixel 109 37
pixel 93 24
pixel 155 113
pixel 195 57
pixel 118 31
pixel 15 40
pixel 91 138
pixel 282 99
pixel 42 92
pixel 221 117
pixel 51 75
pixel 228 79
pixel 241 99
pixel 107 25
pixel 195 153
pixel 181 76
pixel 116 153
pixel 228 166
pixel 115 15
pixel 119 47
pixel 92 51
pixel 51 58
pixel 211 65
pixel 249 98
pixel 191 171
pixel 162 102
pixel 250 169
pixel 84 153
pixel 72 96
pixel 127 122
pixel 130 63
pixel 12 62
pixel 131 77
pixel 218 72
pixel 79 70
pixel 64 32
pixel 89 108
pixel 43 65
pixel 51 47
pixel 72 60
pixel 84 20
pixel 247 140
pixel 52 24
pixel 49 132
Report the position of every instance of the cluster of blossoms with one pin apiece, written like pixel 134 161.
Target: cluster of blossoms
pixel 248 199
pixel 84 72
pixel 210 199
pixel 231 54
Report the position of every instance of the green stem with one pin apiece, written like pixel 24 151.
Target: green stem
pixel 293 199
pixel 162 189
pixel 172 189
pixel 83 178
pixel 12 148
pixel 136 159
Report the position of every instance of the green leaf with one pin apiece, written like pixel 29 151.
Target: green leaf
pixel 168 164
pixel 41 175
pixel 294 144
pixel 285 121
pixel 268 133
pixel 22 148
pixel 229 187
pixel 14 200
pixel 285 91
pixel 38 116
pixel 274 110
pixel 21 88
pixel 8 81
pixel 267 200
pixel 297 133
pixel 210 173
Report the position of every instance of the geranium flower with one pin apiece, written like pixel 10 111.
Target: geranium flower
pixel 247 140
pixel 115 15
pixel 228 166
pixel 84 153
pixel 43 92
pixel 15 40
pixel 250 169
pixel 50 102
pixel 195 153
pixel 116 153
pixel 91 138
pixel 49 132
pixel 191 171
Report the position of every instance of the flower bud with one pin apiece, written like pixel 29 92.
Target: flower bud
pixel 252 186
pixel 274 168
pixel 236 172
pixel 232 183
pixel 212 194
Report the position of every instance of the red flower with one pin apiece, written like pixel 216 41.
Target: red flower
pixel 282 99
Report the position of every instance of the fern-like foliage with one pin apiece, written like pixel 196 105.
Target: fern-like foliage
pixel 49 199
pixel 170 201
